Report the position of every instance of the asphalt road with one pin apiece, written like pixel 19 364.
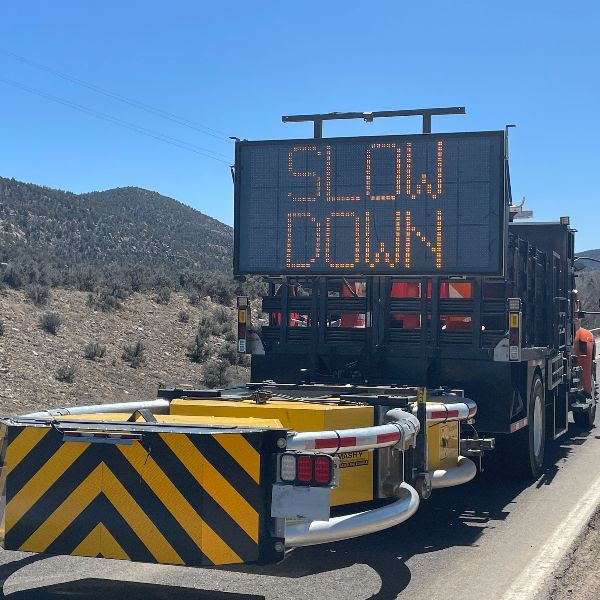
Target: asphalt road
pixel 474 540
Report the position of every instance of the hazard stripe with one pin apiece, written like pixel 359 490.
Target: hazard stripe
pixel 37 459
pixel 214 483
pixel 238 478
pixel 77 533
pixel 41 481
pixel 223 510
pixel 23 444
pixel 53 498
pixel 171 498
pixel 215 548
pixel 243 452
pixel 145 496
pixel 100 537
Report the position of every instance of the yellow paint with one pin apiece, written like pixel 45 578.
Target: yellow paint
pixel 180 419
pixel 442 445
pixel 100 541
pixel 41 481
pixel 242 452
pixel 23 444
pixel 66 513
pixel 202 534
pixel 356 475
pixel 137 519
pixel 215 485
pixel 514 320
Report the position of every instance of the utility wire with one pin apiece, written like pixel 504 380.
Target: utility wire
pixel 120 122
pixel 215 133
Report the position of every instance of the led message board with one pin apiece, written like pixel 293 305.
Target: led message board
pixel 413 205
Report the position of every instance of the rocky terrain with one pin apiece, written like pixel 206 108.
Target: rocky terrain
pixel 31 357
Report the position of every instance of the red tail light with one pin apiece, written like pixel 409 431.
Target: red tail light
pixel 296 468
pixel 322 470
pixel 304 469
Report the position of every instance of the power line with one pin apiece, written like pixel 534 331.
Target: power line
pixel 215 133
pixel 120 122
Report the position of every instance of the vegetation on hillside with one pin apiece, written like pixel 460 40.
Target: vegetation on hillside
pixel 111 244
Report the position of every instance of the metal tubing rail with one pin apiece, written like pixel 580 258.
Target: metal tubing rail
pixel 308 533
pixel 402 432
pixel 440 412
pixel 464 471
pixel 158 406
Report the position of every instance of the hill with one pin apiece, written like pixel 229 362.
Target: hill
pixel 590 265
pixel 144 239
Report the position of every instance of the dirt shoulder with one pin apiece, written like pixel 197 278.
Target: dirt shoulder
pixel 30 357
pixel 581 580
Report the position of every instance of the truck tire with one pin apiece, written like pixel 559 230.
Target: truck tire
pixel 523 451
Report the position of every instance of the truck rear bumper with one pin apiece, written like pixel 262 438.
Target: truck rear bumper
pixel 354 525
pixel 462 473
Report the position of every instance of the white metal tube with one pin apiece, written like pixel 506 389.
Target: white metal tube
pixel 440 412
pixel 158 406
pixel 462 473
pixel 308 533
pixel 402 432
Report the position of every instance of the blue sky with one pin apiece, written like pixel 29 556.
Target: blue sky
pixel 236 67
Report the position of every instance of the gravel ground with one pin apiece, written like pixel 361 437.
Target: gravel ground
pixel 581 580
pixel 30 357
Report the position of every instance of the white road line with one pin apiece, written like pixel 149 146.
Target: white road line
pixel 539 571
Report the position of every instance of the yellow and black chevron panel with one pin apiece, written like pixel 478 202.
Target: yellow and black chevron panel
pixel 192 496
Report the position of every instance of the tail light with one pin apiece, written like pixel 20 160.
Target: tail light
pixel 306 469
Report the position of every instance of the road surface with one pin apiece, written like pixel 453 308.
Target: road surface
pixel 488 539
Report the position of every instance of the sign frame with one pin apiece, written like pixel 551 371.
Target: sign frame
pixel 502 208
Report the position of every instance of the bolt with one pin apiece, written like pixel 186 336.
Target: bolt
pixel 281 443
pixel 279 547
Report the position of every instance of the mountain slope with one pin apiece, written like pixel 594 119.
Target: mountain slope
pixel 122 228
pixel 590 265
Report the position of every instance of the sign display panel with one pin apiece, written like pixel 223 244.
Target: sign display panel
pixel 415 205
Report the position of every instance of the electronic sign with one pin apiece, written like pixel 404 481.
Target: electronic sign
pixel 429 204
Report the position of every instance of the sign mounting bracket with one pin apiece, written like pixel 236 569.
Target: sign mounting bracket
pixel 425 113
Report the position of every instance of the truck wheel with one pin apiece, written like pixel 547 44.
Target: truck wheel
pixel 523 451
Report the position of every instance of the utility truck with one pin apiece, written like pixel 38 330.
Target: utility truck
pixel 413 323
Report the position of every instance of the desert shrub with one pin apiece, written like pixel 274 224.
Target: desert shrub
pixel 104 301
pixel 222 315
pixel 134 354
pixel 215 373
pixel 228 352
pixel 94 350
pixel 50 322
pixel 184 316
pixel 2 328
pixel 163 296
pixel 66 373
pixel 199 350
pixel 194 298
pixel 38 294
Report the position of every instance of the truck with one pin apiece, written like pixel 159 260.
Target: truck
pixel 413 322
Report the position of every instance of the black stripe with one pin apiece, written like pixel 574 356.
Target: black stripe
pixel 33 462
pixel 100 510
pixel 203 503
pixel 54 496
pixel 254 439
pixel 230 469
pixel 152 506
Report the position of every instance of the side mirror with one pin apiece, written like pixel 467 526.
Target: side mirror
pixel 579 265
